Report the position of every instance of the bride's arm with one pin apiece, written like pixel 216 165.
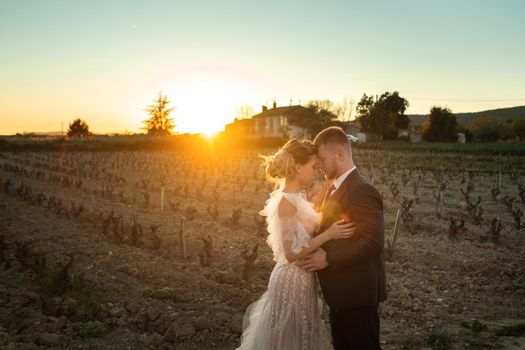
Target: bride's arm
pixel 338 230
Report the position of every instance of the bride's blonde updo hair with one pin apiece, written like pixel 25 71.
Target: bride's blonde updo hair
pixel 282 165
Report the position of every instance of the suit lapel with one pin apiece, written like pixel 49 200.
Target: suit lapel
pixel 345 185
pixel 332 206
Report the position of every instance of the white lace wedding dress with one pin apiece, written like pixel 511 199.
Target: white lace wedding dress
pixel 287 316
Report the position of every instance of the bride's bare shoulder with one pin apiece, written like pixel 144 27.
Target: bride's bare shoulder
pixel 286 208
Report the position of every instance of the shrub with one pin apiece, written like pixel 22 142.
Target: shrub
pixel 490 129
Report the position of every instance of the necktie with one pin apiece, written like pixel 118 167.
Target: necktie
pixel 330 190
pixel 328 193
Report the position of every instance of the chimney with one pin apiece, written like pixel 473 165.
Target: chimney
pixel 264 108
pixel 274 104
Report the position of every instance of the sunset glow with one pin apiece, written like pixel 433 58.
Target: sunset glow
pixel 204 106
pixel 105 62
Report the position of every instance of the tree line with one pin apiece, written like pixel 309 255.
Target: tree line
pixel 383 115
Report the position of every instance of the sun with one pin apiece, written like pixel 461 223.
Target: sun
pixel 210 134
pixel 205 106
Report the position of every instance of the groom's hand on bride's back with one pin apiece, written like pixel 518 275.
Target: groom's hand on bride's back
pixel 314 261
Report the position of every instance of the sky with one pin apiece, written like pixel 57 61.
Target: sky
pixel 105 61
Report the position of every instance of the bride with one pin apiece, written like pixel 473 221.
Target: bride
pixel 287 317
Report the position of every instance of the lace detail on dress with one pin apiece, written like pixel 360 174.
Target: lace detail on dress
pixel 287 316
pixel 298 229
pixel 292 230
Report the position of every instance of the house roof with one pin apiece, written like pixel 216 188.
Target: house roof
pixel 277 111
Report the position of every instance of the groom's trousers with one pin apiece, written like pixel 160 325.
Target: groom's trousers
pixel 355 328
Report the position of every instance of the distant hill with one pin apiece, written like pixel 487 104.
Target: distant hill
pixel 517 113
pixel 39 134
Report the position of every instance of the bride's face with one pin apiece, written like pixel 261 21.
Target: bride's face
pixel 306 172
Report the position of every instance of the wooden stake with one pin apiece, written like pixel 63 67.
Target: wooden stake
pixel 182 239
pixel 396 228
pixel 162 198
pixel 393 240
pixel 233 198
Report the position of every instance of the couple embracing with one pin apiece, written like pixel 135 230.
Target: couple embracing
pixel 342 244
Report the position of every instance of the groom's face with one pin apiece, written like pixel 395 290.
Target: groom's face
pixel 326 160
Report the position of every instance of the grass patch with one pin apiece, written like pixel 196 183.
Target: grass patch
pixel 475 326
pixel 164 294
pixel 440 341
pixel 514 148
pixel 66 294
pixel 409 343
pixel 88 302
pixel 90 329
pixel 455 308
pixel 517 330
pixel 478 345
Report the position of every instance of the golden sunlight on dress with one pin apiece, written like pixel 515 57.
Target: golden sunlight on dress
pixel 287 316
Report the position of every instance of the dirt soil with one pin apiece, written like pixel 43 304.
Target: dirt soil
pixel 91 279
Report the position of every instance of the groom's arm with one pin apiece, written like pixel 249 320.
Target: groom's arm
pixel 368 240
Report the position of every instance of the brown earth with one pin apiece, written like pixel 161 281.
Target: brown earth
pixel 458 291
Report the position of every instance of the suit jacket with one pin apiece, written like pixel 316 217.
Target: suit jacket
pixel 355 276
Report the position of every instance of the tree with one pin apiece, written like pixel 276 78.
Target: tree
pixel 78 128
pixel 363 108
pixel 343 110
pixel 440 126
pixel 384 116
pixel 327 105
pixel 396 105
pixel 518 126
pixel 313 118
pixel 159 123
pixel 490 129
pixel 244 112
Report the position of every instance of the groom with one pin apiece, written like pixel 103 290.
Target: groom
pixel 351 271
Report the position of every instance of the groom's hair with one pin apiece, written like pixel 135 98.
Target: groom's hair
pixel 332 135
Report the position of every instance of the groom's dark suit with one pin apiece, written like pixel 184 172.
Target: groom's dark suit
pixel 354 281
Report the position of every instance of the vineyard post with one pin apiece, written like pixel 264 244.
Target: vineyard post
pixel 182 239
pixel 395 231
pixel 162 199
pixel 233 197
pixel 392 241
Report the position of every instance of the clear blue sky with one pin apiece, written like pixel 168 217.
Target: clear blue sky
pixel 105 60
